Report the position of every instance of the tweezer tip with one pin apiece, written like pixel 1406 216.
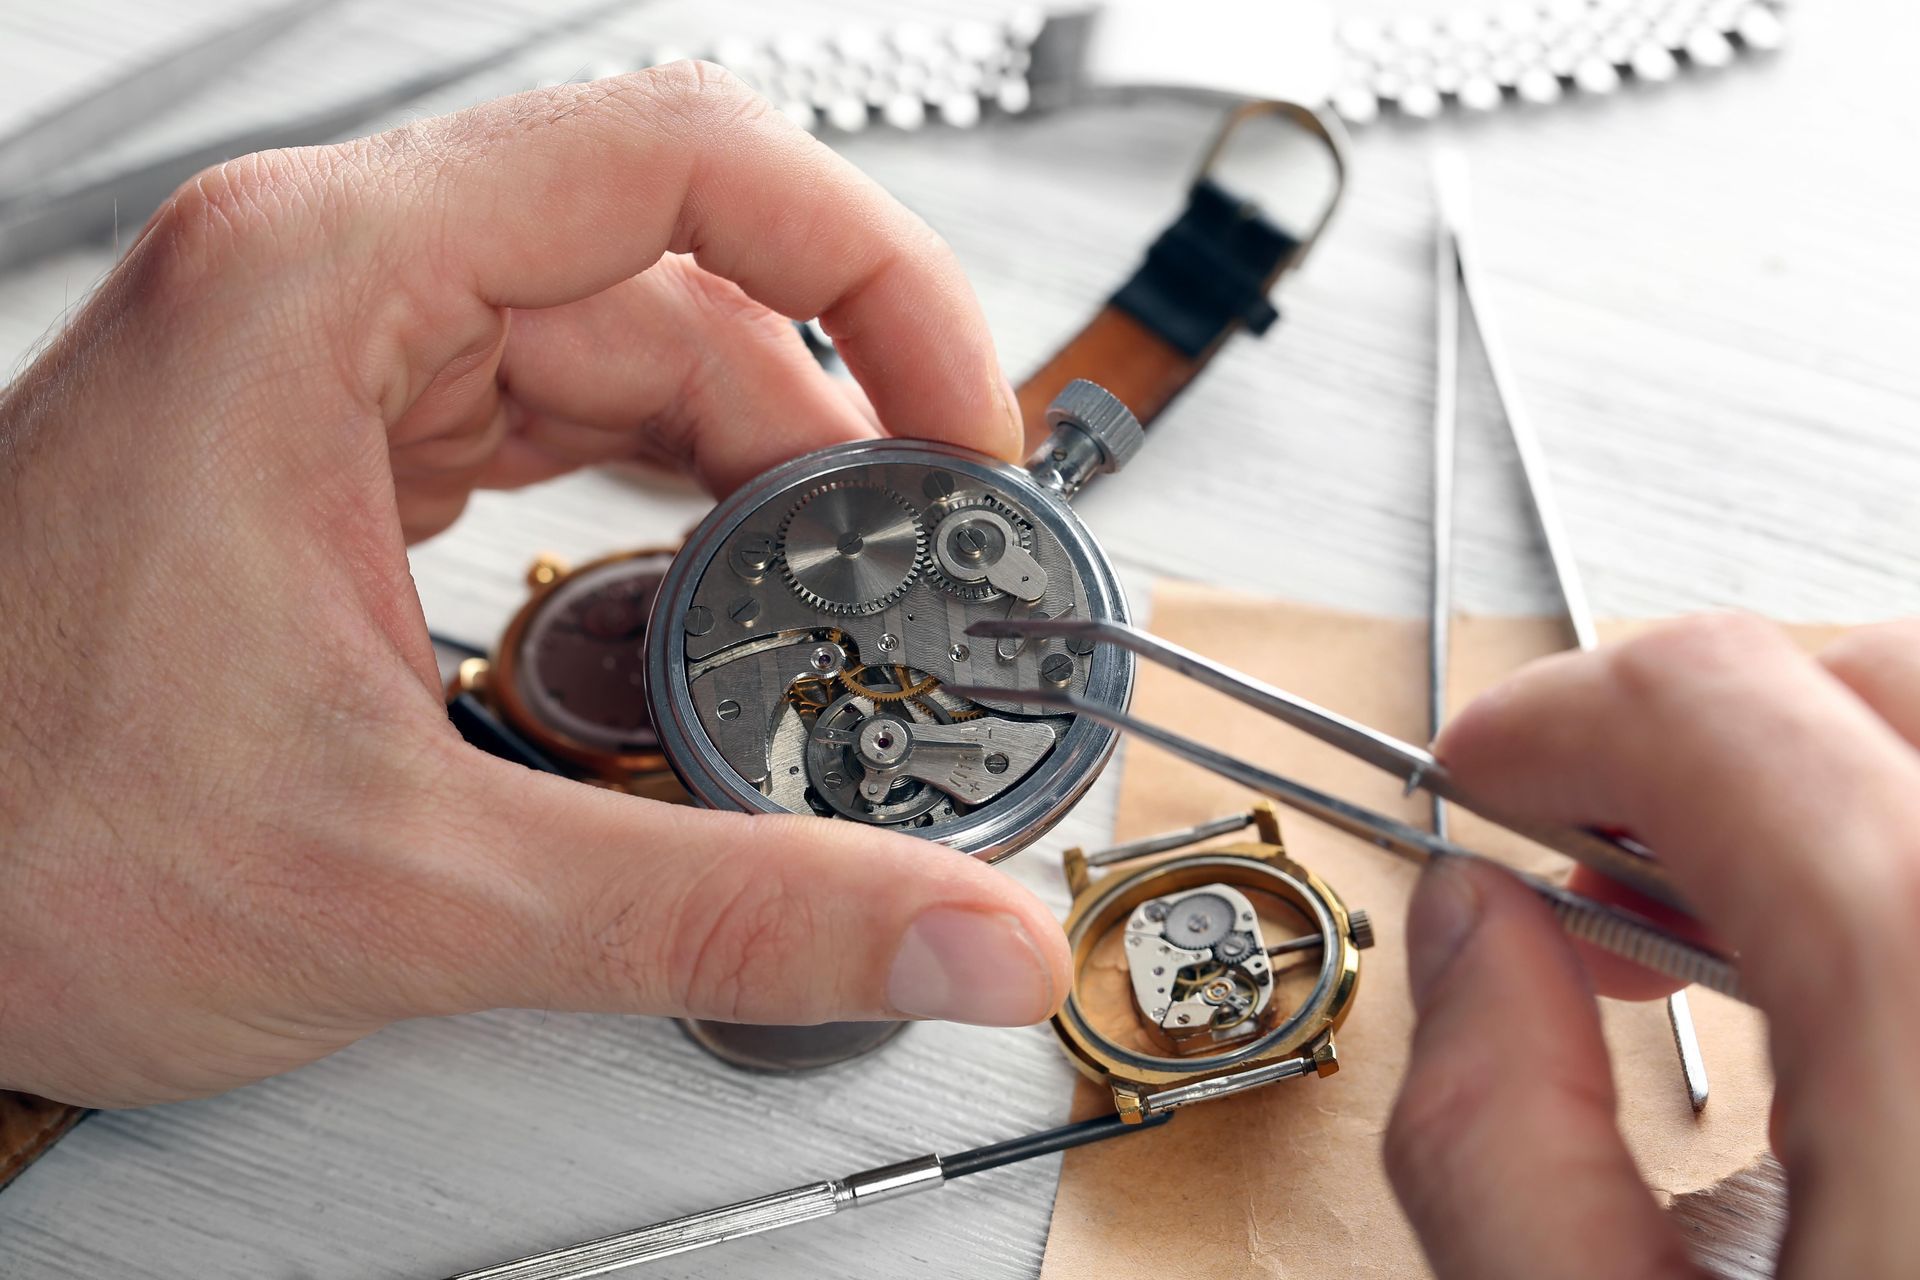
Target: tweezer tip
pixel 995 629
pixel 980 692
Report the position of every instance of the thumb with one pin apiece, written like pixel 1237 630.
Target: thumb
pixel 1502 1146
pixel 609 902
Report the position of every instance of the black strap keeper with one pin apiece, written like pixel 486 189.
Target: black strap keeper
pixel 1208 272
pixel 483 729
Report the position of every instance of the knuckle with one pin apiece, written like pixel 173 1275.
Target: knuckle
pixel 248 209
pixel 689 101
pixel 695 88
pixel 723 302
pixel 232 200
pixel 1689 650
pixel 740 954
pixel 1864 651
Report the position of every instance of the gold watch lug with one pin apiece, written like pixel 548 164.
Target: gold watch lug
pixel 545 571
pixel 1326 1060
pixel 471 675
pixel 1266 820
pixel 1126 1101
pixel 1074 863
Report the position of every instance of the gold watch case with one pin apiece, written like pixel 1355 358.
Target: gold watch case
pixel 1146 1083
pixel 497 682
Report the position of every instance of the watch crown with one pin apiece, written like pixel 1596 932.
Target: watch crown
pixel 1097 412
pixel 1360 924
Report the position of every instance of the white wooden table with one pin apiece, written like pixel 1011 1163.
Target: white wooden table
pixel 1709 290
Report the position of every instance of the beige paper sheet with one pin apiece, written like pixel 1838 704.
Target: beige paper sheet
pixel 1288 1181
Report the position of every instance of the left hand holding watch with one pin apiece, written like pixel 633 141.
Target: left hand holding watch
pixel 241 833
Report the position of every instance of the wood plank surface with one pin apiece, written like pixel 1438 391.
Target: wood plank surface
pixel 1708 291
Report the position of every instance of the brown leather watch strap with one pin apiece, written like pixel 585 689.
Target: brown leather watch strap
pixel 28 1126
pixel 1121 354
pixel 1205 277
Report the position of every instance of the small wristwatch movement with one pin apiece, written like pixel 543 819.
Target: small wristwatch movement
pixel 1213 971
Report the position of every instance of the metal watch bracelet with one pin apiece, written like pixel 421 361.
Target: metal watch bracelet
pixel 1478 59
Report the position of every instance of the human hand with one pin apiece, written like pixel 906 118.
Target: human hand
pixel 240 833
pixel 1784 793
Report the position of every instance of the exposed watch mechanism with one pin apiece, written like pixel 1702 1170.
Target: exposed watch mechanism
pixel 809 637
pixel 1207 973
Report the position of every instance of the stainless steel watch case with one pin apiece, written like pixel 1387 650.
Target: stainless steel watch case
pixel 998 828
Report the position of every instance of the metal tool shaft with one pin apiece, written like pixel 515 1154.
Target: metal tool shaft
pixel 1450 189
pixel 1446 402
pixel 1450 186
pixel 799 1204
pixel 665 1239
pixel 1612 929
pixel 1170 840
pixel 1618 859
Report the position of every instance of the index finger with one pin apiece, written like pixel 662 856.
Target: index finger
pixel 552 196
pixel 1786 809
pixel 1780 802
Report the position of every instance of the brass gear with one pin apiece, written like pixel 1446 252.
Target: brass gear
pixel 903 691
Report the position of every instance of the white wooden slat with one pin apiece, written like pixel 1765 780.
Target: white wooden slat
pixel 1707 290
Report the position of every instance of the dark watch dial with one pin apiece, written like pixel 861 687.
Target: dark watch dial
pixel 581 666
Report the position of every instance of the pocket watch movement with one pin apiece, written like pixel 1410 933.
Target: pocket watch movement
pixel 805 637
pixel 1206 973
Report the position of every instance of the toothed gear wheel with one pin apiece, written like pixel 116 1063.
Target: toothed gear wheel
pixel 851 548
pixel 959 502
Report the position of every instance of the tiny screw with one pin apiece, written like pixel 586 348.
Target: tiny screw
pixel 754 553
pixel 889 642
pixel 744 610
pixel 1056 668
pixel 1156 911
pixel 997 763
pixel 959 653
pixel 1082 645
pixel 728 710
pixel 699 620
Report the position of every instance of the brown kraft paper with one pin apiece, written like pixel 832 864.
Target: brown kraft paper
pixel 1288 1180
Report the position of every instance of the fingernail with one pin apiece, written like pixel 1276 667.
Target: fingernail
pixel 1011 398
pixel 969 966
pixel 1446 906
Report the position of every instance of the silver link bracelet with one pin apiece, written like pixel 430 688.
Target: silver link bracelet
pixel 1476 60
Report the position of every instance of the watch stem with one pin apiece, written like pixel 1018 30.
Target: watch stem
pixel 1093 432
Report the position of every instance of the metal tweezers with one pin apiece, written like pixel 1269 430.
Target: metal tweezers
pixel 1457 294
pixel 1618 930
